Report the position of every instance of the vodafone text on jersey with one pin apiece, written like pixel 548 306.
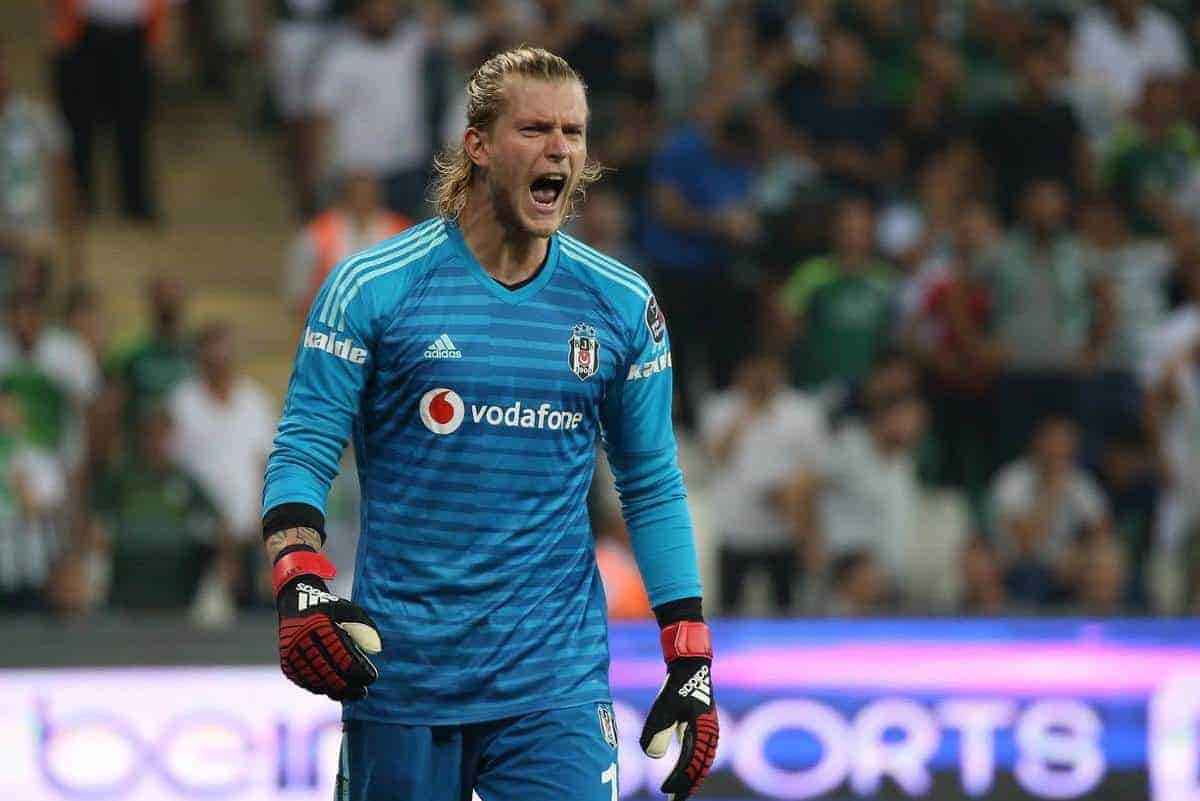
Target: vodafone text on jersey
pixel 443 411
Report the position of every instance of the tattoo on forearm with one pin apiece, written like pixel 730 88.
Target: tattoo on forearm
pixel 292 536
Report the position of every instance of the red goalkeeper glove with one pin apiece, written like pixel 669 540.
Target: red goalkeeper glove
pixel 323 639
pixel 684 705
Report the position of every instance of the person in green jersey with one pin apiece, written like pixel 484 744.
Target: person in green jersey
pixel 144 371
pixel 162 528
pixel 1153 156
pixel 841 303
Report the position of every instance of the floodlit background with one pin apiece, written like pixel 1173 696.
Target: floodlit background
pixel 932 272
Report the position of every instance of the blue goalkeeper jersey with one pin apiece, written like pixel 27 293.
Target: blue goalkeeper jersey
pixel 475 410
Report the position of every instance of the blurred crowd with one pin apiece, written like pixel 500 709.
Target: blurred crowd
pixel 931 270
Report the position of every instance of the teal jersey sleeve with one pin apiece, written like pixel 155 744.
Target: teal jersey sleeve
pixel 332 364
pixel 640 441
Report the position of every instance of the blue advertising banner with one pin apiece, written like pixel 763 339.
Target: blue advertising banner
pixel 915 709
pixel 980 709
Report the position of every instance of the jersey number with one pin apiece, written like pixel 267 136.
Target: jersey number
pixel 609 776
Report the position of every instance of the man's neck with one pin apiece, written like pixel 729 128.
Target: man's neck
pixel 361 219
pixel 1041 238
pixel 220 386
pixel 853 263
pixel 507 255
pixel 1127 22
pixel 843 94
pixel 1035 98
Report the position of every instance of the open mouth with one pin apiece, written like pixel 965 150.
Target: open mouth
pixel 546 190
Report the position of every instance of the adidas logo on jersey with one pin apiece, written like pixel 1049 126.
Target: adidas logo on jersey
pixel 311 596
pixel 443 348
pixel 699 686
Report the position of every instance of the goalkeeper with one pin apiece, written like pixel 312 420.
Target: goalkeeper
pixel 475 359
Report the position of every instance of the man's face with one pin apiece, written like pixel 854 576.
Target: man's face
pixel 156 439
pixel 535 153
pixel 216 354
pixel 855 230
pixel 1056 445
pixel 378 17
pixel 166 300
pixel 1160 102
pixel 846 59
pixel 1125 7
pixel 1045 206
pixel 25 320
pixel 1038 69
pixel 976 228
pixel 361 194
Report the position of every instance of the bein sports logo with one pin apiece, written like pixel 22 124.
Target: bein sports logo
pixel 442 411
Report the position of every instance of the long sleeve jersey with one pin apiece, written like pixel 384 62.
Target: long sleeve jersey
pixel 475 410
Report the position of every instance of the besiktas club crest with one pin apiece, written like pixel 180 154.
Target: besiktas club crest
pixel 583 353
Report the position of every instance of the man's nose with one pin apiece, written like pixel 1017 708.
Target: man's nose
pixel 556 146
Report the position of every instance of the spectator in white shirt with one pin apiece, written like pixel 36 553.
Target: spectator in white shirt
pixel 760 435
pixel 293 35
pixel 680 55
pixel 370 95
pixel 1045 510
pixel 37 189
pixel 224 425
pixel 869 494
pixel 1118 44
pixel 54 373
pixel 1171 378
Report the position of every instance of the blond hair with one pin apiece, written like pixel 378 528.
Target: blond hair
pixel 485 103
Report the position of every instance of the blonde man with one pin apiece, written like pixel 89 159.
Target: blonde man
pixel 475 358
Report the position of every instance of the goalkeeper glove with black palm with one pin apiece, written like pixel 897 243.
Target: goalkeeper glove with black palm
pixel 685 706
pixel 324 640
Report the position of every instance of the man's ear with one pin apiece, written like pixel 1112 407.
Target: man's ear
pixel 475 145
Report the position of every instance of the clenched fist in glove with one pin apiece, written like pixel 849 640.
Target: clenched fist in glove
pixel 323 639
pixel 685 706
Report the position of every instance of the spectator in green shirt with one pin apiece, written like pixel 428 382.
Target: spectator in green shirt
pixel 840 305
pixel 1153 157
pixel 161 527
pixel 146 370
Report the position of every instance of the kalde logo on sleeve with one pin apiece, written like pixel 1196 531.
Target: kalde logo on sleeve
pixel 646 369
pixel 443 411
pixel 342 348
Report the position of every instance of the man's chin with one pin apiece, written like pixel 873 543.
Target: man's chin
pixel 540 225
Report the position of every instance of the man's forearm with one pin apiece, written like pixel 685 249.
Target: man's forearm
pixel 292 536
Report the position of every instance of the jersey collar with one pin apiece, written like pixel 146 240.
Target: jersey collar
pixel 493 286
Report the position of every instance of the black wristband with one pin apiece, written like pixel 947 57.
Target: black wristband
pixel 293 515
pixel 677 610
pixel 292 549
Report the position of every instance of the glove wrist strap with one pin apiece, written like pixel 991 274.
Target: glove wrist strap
pixel 685 638
pixel 302 561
